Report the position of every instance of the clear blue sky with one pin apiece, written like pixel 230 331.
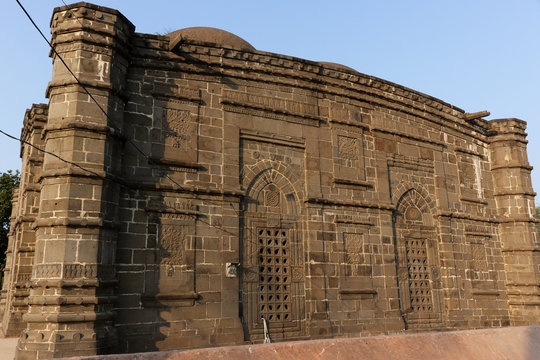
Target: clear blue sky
pixel 475 54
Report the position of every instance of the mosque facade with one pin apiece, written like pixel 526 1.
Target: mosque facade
pixel 194 191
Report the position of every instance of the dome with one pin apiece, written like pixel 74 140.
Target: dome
pixel 338 66
pixel 210 35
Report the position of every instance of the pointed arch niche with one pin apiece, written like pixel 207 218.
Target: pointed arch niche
pixel 417 260
pixel 273 264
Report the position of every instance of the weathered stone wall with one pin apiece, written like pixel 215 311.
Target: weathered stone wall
pixel 225 185
pixel 21 246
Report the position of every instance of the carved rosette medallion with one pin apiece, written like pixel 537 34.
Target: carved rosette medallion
pixel 353 248
pixel 177 128
pixel 348 150
pixel 173 242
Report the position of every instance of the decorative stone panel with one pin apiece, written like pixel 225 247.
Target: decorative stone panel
pixel 177 143
pixel 348 156
pixel 470 177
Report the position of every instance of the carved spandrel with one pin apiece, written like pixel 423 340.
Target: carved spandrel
pixel 479 264
pixel 177 128
pixel 174 255
pixel 348 151
pixel 470 176
pixel 479 257
pixel 348 158
pixel 297 274
pixel 357 255
pixel 354 243
pixel 272 198
pixel 172 249
pixel 178 140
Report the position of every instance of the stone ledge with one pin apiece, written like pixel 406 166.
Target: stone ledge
pixel 473 200
pixel 525 303
pixel 69 317
pixel 358 183
pixel 289 141
pixel 350 123
pixel 75 222
pixel 520 220
pixel 521 249
pixel 507 137
pixel 356 293
pixel 177 163
pixel 512 166
pixel 348 203
pixel 454 215
pixel 199 190
pixel 409 136
pixel 79 283
pixel 514 193
pixel 347 220
pixel 70 300
pixel 469 152
pixel 474 233
pixel 171 300
pixel 79 125
pixel 485 292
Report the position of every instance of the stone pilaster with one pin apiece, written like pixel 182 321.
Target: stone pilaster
pixel 72 285
pixel 8 269
pixel 515 207
pixel 20 252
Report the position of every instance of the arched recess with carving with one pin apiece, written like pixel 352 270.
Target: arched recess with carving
pixel 272 258
pixel 417 259
pixel 405 186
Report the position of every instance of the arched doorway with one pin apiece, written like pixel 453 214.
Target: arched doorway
pixel 273 264
pixel 417 261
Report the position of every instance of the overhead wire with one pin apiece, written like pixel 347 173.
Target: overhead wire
pixel 52 154
pixel 111 121
pixel 150 161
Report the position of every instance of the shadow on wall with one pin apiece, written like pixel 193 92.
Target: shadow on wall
pixel 160 306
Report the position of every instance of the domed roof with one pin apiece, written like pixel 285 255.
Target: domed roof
pixel 336 65
pixel 210 35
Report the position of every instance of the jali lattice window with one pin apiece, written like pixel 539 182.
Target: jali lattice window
pixel 274 275
pixel 419 282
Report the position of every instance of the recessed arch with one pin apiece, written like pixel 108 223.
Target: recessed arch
pixel 269 180
pixel 273 257
pixel 415 205
pixel 417 257
pixel 405 187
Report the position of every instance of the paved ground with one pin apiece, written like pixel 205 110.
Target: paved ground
pixel 487 344
pixel 7 348
pixel 510 343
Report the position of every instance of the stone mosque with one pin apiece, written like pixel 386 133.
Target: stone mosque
pixel 195 190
